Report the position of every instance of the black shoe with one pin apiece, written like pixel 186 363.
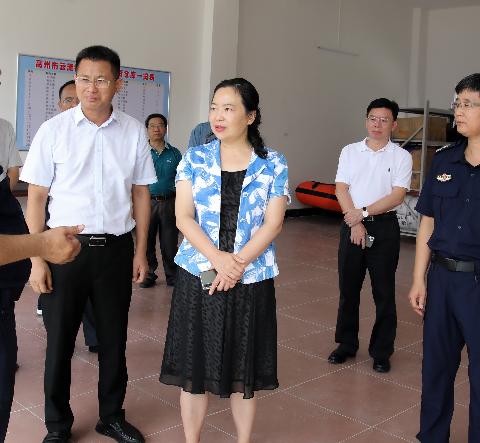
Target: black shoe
pixel 339 356
pixel 120 431
pixel 57 437
pixel 93 349
pixel 147 283
pixel 381 365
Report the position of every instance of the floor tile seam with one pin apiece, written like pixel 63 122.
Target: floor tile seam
pixel 377 376
pixel 351 437
pixel 157 397
pixel 143 336
pixel 220 430
pixel 340 369
pixel 415 405
pixel 32 332
pixel 292 317
pixel 462 365
pixel 153 434
pixel 282 345
pixel 299 305
pixel 409 323
pixel 318 331
pixel 296 282
pixel 324 408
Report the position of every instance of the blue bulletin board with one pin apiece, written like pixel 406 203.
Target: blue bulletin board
pixel 145 91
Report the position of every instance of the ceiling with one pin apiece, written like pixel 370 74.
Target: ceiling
pixel 440 4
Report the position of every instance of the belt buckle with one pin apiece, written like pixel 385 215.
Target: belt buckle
pixel 369 218
pixel 97 241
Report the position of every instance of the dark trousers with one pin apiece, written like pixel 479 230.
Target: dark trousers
pixel 381 262
pixel 8 354
pixel 103 275
pixel 162 221
pixel 451 320
pixel 88 322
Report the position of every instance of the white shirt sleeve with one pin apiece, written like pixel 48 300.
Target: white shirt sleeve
pixel 403 171
pixel 343 175
pixel 39 166
pixel 12 151
pixel 144 171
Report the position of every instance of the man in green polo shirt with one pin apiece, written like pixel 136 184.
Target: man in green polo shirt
pixel 162 218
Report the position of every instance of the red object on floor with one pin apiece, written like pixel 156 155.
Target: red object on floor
pixel 321 195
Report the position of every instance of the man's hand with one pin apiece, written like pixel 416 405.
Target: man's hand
pixel 417 297
pixel 353 216
pixel 59 245
pixel 140 267
pixel 357 235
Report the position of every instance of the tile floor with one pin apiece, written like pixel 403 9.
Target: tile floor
pixel 316 403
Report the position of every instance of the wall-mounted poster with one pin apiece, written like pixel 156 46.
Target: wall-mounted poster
pixel 145 91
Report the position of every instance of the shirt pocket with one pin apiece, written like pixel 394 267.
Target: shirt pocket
pixel 445 195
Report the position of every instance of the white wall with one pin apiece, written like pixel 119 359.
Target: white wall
pixel 452 51
pixel 314 101
pixel 174 36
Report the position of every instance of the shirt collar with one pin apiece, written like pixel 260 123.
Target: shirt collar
pixel 79 116
pixel 362 146
pixel 167 146
pixel 459 152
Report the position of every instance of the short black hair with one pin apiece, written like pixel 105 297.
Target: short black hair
pixel 384 103
pixel 100 53
pixel 164 119
pixel 470 82
pixel 70 82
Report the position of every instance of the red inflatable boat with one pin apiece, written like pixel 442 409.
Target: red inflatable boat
pixel 321 195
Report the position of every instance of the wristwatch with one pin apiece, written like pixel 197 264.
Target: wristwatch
pixel 364 212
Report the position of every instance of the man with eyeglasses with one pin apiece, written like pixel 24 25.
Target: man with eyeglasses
pixel 162 215
pixel 372 178
pixel 95 164
pixel 67 96
pixel 68 99
pixel 448 254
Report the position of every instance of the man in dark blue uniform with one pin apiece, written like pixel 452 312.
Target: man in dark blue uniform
pixel 448 244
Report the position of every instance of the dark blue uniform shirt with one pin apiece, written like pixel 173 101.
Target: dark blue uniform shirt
pixel 15 274
pixel 451 195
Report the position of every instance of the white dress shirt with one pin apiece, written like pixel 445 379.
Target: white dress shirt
pixel 371 175
pixel 9 156
pixel 90 169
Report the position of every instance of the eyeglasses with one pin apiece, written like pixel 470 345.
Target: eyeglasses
pixel 378 120
pixel 100 83
pixel 465 105
pixel 159 126
pixel 69 100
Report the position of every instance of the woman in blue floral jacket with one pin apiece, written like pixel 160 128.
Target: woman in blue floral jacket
pixel 231 200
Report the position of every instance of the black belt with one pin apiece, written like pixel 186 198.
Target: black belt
pixel 385 216
pixel 454 265
pixel 93 240
pixel 161 198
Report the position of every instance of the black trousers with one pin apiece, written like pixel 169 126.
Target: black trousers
pixel 104 276
pixel 162 221
pixel 381 262
pixel 8 354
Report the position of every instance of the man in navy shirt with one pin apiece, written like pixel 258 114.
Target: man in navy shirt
pixel 448 246
pixel 162 216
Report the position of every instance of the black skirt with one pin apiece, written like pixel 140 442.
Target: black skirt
pixel 225 342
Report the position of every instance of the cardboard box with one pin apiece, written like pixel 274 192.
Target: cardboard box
pixel 417 158
pixel 437 128
pixel 415 183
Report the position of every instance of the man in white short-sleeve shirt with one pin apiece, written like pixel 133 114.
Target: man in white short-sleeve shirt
pixel 372 178
pixel 9 157
pixel 95 164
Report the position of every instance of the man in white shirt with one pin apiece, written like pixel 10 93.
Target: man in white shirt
pixel 372 178
pixel 95 165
